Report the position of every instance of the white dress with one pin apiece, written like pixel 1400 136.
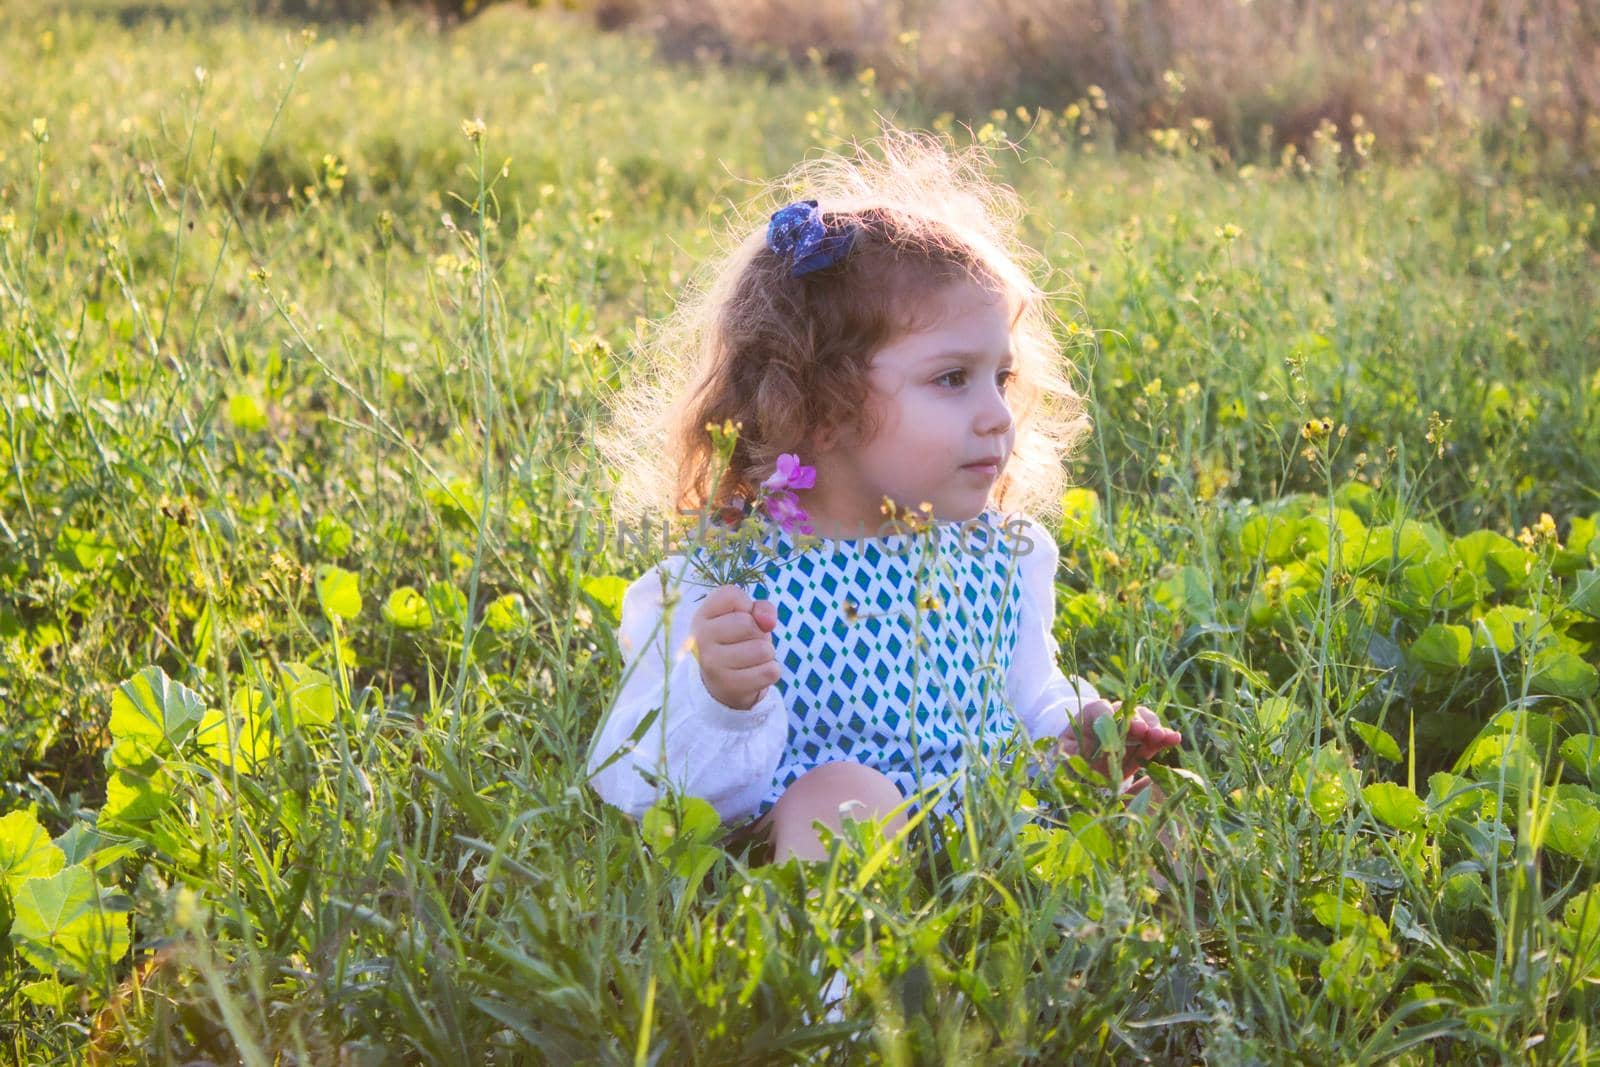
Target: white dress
pixel 874 670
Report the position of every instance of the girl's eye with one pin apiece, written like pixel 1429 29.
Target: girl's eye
pixel 1005 377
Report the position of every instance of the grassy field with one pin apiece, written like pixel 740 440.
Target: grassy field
pixel 300 646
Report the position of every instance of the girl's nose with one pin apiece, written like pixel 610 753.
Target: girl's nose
pixel 995 418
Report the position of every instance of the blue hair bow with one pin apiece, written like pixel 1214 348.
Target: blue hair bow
pixel 798 230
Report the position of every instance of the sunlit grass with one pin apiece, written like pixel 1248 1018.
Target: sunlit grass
pixel 297 365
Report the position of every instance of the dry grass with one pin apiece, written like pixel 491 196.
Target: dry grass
pixel 1262 73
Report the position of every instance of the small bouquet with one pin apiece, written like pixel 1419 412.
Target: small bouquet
pixel 735 550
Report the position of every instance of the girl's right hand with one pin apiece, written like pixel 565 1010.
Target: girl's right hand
pixel 732 634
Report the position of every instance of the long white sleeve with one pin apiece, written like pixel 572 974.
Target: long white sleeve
pixel 1043 698
pixel 700 745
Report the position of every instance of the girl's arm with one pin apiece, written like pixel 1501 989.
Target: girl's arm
pixel 1044 699
pixel 703 747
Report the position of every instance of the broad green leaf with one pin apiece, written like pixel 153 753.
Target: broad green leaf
pixel 609 590
pixel 154 713
pixel 242 737
pixel 90 846
pixel 1494 557
pixel 338 591
pixel 1324 778
pixel 1187 592
pixel 685 839
pixel 1353 971
pixel 1586 593
pixel 63 923
pixel 1581 917
pixel 1442 648
pixel 1503 629
pixel 449 604
pixel 332 535
pixel 84 550
pixel 407 610
pixel 1562 674
pixel 1339 914
pixel 1388 546
pixel 1581 752
pixel 1439 584
pixel 26 850
pixel 1450 794
pixel 505 613
pixel 1378 740
pixel 1581 549
pixel 135 795
pixel 1318 534
pixel 1394 805
pixel 1272 713
pixel 1573 829
pixel 310 694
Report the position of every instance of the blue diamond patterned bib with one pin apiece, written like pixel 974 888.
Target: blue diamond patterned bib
pixel 895 651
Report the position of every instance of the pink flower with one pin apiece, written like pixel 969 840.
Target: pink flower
pixel 791 474
pixel 786 511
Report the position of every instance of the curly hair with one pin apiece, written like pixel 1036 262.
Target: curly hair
pixel 787 357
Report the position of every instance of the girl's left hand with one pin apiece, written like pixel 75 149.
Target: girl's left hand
pixel 1145 739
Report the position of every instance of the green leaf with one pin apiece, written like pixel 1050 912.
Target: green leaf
pixel 332 535
pixel 1187 593
pixel 241 737
pixel 310 693
pixel 1562 674
pixel 1324 778
pixel 1272 713
pixel 1394 805
pixel 136 795
pixel 1378 740
pixel 506 613
pixel 448 603
pixel 407 610
pixel 1581 752
pixel 63 923
pixel 88 845
pixel 1586 594
pixel 83 551
pixel 338 592
pixel 609 590
pixel 1439 584
pixel 1573 829
pixel 684 837
pixel 153 714
pixel 1442 648
pixel 1389 546
pixel 26 850
pixel 1494 557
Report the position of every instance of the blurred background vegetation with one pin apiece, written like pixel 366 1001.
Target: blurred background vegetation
pixel 1254 74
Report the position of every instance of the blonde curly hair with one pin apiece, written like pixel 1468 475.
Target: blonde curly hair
pixel 787 357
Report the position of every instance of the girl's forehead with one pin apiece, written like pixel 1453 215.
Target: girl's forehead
pixel 963 316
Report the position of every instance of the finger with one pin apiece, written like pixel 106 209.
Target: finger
pixel 752 680
pixel 725 599
pixel 731 629
pixel 742 654
pixel 765 614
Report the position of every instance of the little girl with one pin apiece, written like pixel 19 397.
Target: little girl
pixel 883 348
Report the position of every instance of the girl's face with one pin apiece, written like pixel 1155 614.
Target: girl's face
pixel 941 396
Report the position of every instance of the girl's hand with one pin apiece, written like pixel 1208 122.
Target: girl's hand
pixel 732 634
pixel 1146 737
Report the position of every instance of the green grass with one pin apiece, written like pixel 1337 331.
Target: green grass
pixel 339 828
